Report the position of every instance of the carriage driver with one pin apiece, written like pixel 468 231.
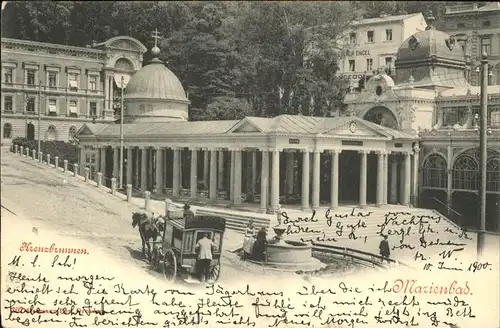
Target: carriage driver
pixel 204 248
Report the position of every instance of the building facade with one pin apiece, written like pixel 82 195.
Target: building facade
pixel 478 29
pixel 372 44
pixel 408 140
pixel 68 86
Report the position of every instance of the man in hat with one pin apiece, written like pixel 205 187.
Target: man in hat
pixel 187 211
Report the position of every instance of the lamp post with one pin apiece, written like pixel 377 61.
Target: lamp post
pixel 39 114
pixel 483 117
pixel 122 85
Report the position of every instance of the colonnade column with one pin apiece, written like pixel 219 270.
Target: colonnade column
pixel 137 168
pixel 116 161
pixel 205 168
pixel 407 180
pixel 315 185
pixel 254 171
pixel 386 178
pixel 102 155
pixel 159 170
pixel 449 187
pixel 415 175
pixel 81 161
pixel 394 180
pixel 129 165
pixel 220 171
pixel 231 178
pixel 334 201
pixel 401 179
pixel 176 173
pixel 305 179
pixel 264 178
pixel 237 177
pixel 144 169
pixel 275 176
pixel 213 175
pixel 362 178
pixel 194 172
pixel 380 178
pixel 289 172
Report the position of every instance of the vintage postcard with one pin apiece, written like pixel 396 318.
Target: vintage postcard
pixel 250 164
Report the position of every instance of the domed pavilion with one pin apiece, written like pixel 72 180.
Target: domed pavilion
pixel 416 135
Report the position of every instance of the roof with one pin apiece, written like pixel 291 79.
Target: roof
pixel 471 90
pixel 376 20
pixel 282 124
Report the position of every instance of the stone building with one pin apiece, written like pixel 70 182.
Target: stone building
pixel 403 141
pixel 478 30
pixel 372 43
pixel 68 85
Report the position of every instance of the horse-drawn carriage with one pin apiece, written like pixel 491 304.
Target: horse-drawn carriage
pixel 176 252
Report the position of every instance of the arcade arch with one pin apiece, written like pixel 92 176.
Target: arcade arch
pixel 383 116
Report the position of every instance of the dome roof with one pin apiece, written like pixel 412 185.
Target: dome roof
pixel 430 43
pixel 155 81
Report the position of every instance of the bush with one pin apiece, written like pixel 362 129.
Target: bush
pixel 63 150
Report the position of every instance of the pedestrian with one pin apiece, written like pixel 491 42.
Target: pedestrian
pixel 384 248
pixel 187 211
pixel 204 248
pixel 249 239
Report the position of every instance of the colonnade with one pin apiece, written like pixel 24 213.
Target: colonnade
pixel 149 172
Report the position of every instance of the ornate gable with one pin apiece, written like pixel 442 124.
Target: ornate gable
pixel 352 128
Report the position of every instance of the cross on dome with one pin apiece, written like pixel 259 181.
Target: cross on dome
pixel 430 21
pixel 156 51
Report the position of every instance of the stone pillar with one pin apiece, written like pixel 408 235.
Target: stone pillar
pixel 65 165
pixel 129 192
pixel 167 206
pixel 116 162
pixel 40 157
pixel 415 175
pixel 380 178
pixel 102 156
pixel 334 177
pixel 147 200
pixel 264 178
pixel 231 181
pixel 362 179
pixel 316 178
pixel 21 150
pixel 48 159
pixel 159 171
pixel 275 176
pixel 176 173
pixel 144 169
pixel 401 179
pixel 129 165
pixel 407 179
pixel 253 183
pixel 194 173
pixel 220 171
pixel 81 161
pixel 33 154
pixel 237 177
pixel 99 179
pixel 75 170
pixel 113 186
pixel 386 178
pixel 394 180
pixel 305 179
pixel 213 175
pixel 56 162
pixel 205 168
pixel 15 149
pixel 289 173
pixel 87 174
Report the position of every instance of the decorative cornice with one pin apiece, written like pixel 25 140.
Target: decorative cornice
pixel 32 47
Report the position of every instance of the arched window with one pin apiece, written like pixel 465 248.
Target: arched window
pixel 493 173
pixel 124 64
pixel 382 116
pixel 7 131
pixel 466 173
pixel 30 131
pixel 72 132
pixel 51 133
pixel 434 172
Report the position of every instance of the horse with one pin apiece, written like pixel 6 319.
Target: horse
pixel 148 229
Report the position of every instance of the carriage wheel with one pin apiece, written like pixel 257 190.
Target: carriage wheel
pixel 214 271
pixel 169 265
pixel 155 259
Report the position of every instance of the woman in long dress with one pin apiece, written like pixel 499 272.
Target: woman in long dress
pixel 259 248
pixel 249 239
